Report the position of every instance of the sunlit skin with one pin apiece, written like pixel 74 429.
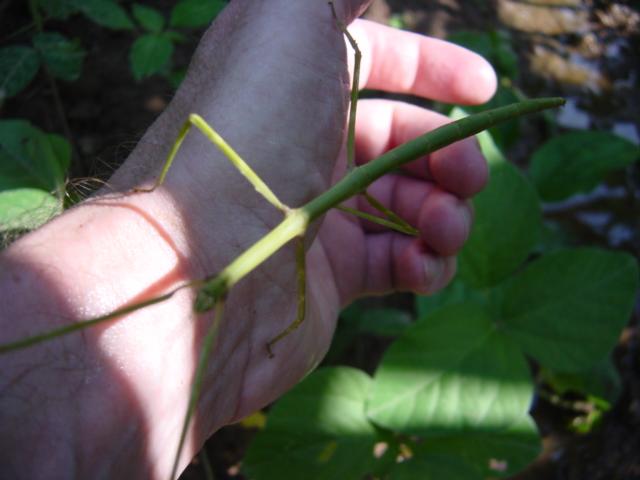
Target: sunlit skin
pixel 272 78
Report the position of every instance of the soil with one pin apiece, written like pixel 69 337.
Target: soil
pixel 595 53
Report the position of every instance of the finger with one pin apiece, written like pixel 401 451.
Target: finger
pixel 399 263
pixel 404 62
pixel 382 125
pixel 443 220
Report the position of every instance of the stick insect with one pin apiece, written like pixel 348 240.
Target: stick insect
pixel 211 291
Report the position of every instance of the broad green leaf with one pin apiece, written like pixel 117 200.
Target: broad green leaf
pixel 451 373
pixel 195 13
pixel 150 54
pixel 427 466
pixel 30 158
pixel 317 431
pixel 106 13
pixel 58 9
pixel 507 223
pixel 26 208
pixel 567 308
pixel 473 456
pixel 150 18
pixel 507 220
pixel 455 292
pixel 18 66
pixel 493 454
pixel 577 161
pixel 62 56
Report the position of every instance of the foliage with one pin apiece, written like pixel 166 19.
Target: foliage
pixel 150 52
pixel 20 64
pixel 454 388
pixel 585 157
pixel 33 166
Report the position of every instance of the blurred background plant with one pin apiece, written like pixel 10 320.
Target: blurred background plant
pixel 531 355
pixel 45 42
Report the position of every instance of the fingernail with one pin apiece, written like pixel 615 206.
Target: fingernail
pixel 467 218
pixel 434 270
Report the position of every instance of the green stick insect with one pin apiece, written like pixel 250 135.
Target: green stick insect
pixel 211 291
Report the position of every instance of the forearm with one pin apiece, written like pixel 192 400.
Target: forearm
pixel 73 402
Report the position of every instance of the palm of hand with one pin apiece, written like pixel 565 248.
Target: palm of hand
pixel 347 258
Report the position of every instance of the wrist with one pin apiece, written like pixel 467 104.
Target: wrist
pixel 97 400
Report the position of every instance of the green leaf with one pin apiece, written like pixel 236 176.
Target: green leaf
pixel 195 13
pixel 428 466
pixel 150 54
pixel 150 18
pixel 577 161
pixel 316 431
pixel 493 454
pixel 567 308
pixel 26 208
pixel 58 9
pixel 507 222
pixel 106 13
pixel 18 66
pixel 451 373
pixel 63 57
pixel 456 292
pixel 30 158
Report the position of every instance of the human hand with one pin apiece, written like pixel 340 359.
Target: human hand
pixel 272 78
pixel 348 258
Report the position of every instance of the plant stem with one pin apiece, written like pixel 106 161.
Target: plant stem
pixel 296 221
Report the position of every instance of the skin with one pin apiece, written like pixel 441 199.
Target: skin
pixel 272 78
